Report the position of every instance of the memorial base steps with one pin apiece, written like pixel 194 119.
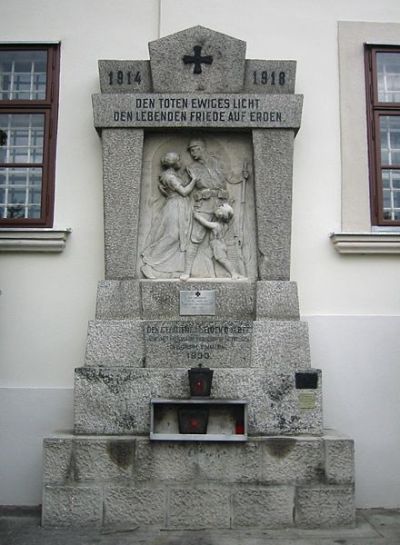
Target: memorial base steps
pixel 270 482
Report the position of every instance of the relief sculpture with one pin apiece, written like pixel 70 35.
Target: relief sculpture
pixel 197 228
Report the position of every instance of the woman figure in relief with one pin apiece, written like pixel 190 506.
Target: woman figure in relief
pixel 164 255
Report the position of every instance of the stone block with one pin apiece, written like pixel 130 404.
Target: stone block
pixel 268 507
pixel 272 77
pixel 292 460
pixel 72 506
pixel 324 506
pixel 280 345
pixel 114 401
pixel 339 459
pixel 117 401
pixel 133 505
pixel 115 343
pixel 150 110
pixel 274 406
pixel 277 300
pixel 273 164
pixel 199 507
pixel 223 71
pixel 122 168
pixel 234 300
pixel 70 459
pixel 103 459
pixel 170 462
pixel 57 454
pixel 214 343
pixel 118 300
pixel 118 76
pixel 197 462
pixel 230 463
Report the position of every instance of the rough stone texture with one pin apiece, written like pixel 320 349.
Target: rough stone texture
pixel 125 77
pixel 82 459
pixel 56 459
pixel 269 507
pixel 324 506
pixel 122 166
pixel 277 345
pixel 115 343
pixel 115 401
pixel 165 484
pixel 267 460
pixel 292 460
pixel 339 456
pixel 196 508
pixel 214 343
pixel 277 300
pixel 273 164
pixel 118 300
pixel 132 505
pixel 169 72
pixel 234 300
pixel 149 110
pixel 72 506
pixel 280 345
pixel 198 462
pixel 269 78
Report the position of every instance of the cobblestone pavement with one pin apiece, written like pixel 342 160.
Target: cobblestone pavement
pixel 374 527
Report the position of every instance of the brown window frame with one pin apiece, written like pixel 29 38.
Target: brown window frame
pixel 48 107
pixel 375 110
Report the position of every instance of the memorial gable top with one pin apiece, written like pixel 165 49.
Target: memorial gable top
pixel 198 60
pixel 197 78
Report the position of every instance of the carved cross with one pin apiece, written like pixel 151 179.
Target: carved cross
pixel 197 59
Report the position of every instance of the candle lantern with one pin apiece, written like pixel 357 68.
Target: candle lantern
pixel 200 381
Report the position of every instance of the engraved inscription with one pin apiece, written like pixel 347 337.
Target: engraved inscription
pixel 120 77
pixel 263 77
pixel 220 344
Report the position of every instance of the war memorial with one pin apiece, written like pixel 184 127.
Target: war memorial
pixel 197 171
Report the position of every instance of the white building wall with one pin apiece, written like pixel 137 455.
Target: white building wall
pixel 351 302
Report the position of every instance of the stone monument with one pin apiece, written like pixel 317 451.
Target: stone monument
pixel 197 159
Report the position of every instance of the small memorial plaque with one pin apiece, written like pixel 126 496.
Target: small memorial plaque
pixel 197 303
pixel 307 400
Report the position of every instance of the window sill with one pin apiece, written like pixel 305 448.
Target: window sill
pixel 366 243
pixel 33 240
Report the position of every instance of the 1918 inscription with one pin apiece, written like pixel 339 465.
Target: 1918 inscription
pixel 269 78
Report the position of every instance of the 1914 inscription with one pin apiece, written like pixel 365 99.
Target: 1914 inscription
pixel 217 343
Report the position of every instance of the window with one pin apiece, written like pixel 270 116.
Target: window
pixel 383 120
pixel 28 122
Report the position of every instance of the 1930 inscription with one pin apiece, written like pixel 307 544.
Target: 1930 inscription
pixel 177 343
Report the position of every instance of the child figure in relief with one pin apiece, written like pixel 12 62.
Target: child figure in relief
pixel 222 216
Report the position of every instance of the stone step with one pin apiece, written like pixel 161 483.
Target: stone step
pixel 279 344
pixel 160 299
pixel 116 400
pixel 267 482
